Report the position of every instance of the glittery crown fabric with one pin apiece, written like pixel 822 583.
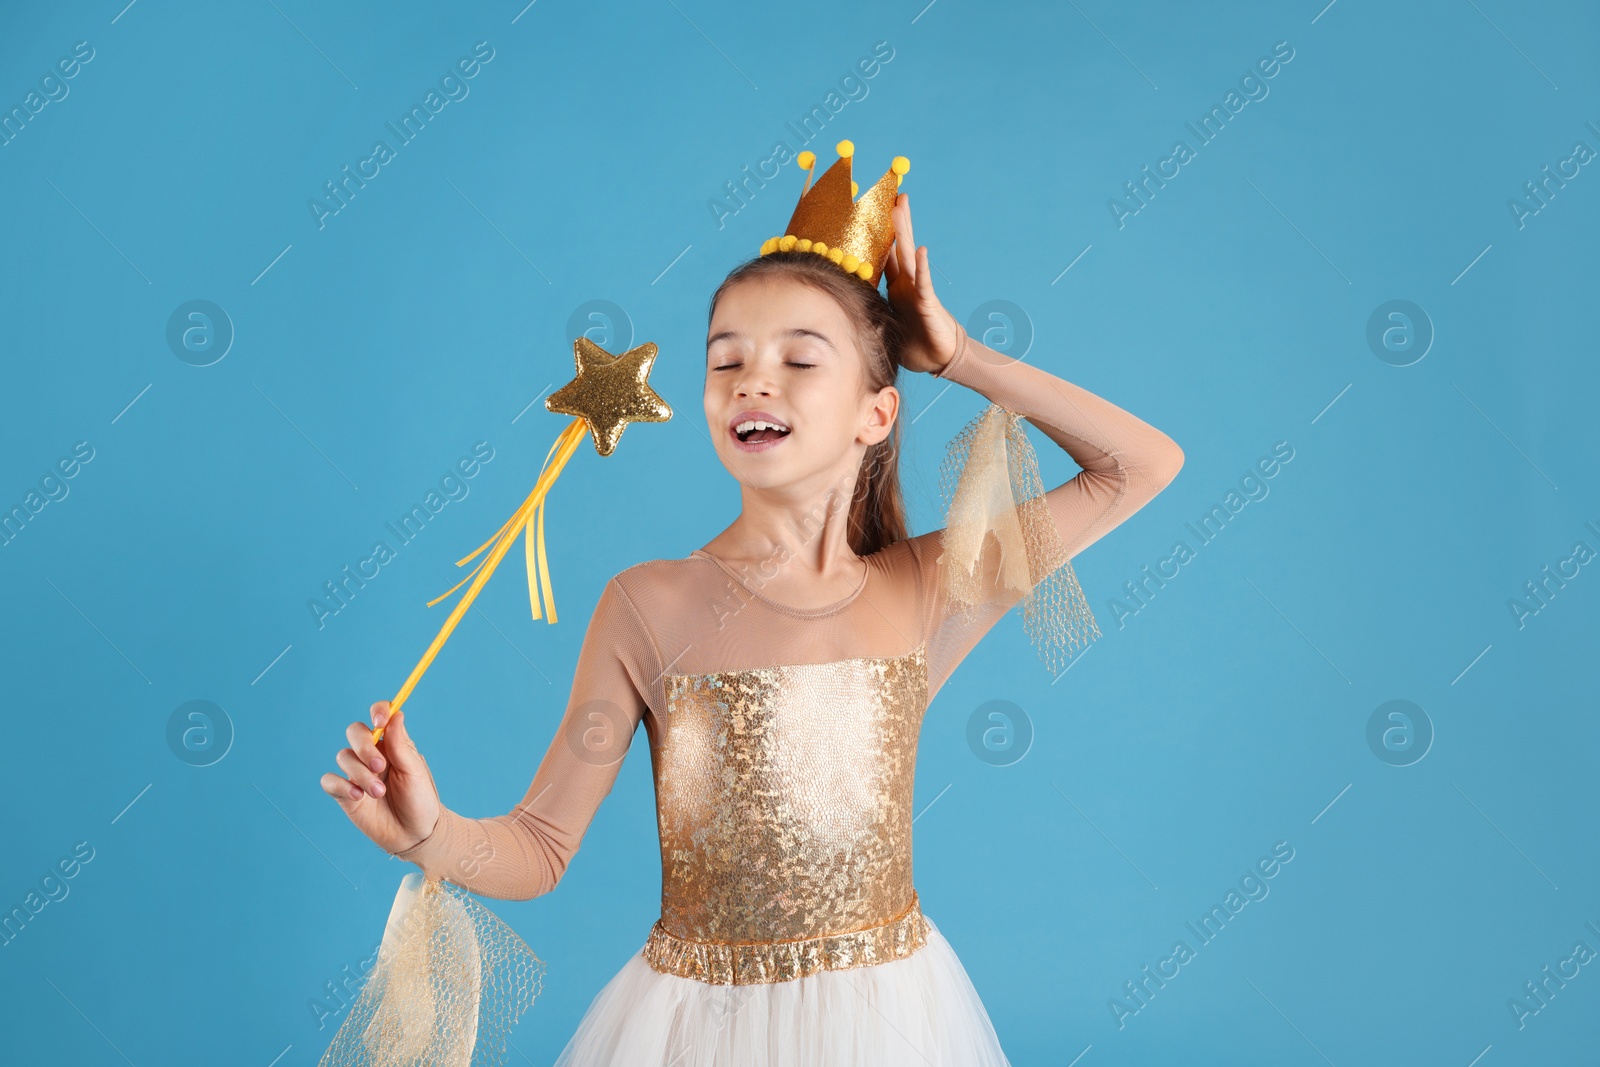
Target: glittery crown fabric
pixel 860 226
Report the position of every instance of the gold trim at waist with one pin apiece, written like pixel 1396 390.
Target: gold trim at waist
pixel 736 963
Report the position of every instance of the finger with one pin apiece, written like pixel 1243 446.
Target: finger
pixel 341 790
pixel 924 274
pixel 898 253
pixel 361 776
pixel 398 746
pixel 891 268
pixel 360 739
pixel 381 713
pixel 909 254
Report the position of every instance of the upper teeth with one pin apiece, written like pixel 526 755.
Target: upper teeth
pixel 758 424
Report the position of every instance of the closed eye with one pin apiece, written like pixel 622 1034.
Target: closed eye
pixel 791 363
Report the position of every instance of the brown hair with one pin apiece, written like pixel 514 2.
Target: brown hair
pixel 877 516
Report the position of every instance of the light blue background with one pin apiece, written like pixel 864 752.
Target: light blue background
pixel 1231 311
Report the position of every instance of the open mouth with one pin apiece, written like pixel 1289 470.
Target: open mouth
pixel 759 433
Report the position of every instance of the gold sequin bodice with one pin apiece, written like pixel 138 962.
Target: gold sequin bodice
pixel 783 797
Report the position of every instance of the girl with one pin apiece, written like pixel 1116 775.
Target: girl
pixel 781 673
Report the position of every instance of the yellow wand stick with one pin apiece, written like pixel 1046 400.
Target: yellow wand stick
pixel 608 393
pixel 568 444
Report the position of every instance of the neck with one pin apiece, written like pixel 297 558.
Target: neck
pixel 808 535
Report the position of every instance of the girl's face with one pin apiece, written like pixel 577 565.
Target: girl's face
pixel 785 353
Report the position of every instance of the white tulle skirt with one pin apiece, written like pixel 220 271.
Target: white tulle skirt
pixel 921 1011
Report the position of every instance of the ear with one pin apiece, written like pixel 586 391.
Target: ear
pixel 881 416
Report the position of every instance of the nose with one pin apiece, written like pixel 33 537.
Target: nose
pixel 752 380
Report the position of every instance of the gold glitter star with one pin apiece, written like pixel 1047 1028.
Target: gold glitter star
pixel 610 392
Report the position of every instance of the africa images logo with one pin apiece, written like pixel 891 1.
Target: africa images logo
pixel 453 87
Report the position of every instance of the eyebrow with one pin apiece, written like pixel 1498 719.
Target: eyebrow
pixel 796 331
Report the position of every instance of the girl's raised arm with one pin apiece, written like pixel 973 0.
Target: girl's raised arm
pixel 1125 462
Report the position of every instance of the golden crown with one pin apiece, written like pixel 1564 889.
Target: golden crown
pixel 855 234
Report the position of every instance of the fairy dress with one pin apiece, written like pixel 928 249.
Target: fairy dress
pixel 783 743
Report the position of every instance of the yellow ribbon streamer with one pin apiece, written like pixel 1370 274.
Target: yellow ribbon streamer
pixel 529 521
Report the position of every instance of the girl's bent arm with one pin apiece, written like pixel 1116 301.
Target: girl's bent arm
pixel 1125 462
pixel 524 853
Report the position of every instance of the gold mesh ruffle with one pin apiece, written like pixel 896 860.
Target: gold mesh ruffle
pixel 450 982
pixel 721 963
pixel 990 478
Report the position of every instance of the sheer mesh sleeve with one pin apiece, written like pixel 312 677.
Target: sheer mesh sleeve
pixel 1125 462
pixel 523 853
